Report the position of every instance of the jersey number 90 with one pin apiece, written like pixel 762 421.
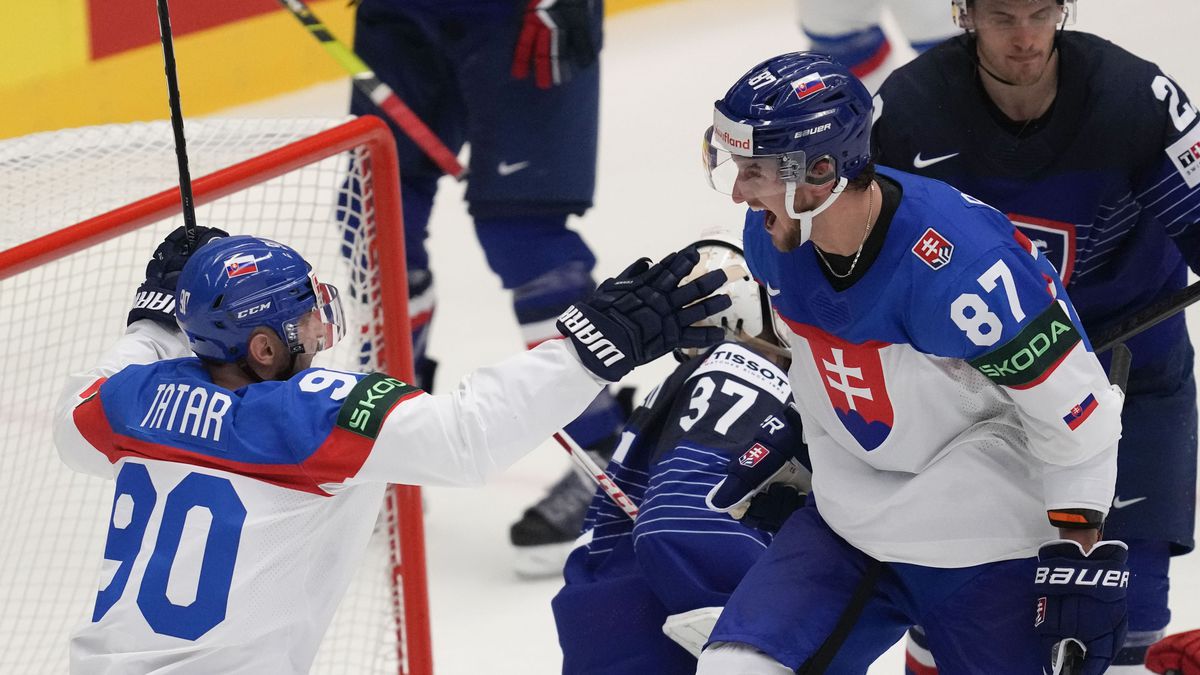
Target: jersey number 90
pixel 170 609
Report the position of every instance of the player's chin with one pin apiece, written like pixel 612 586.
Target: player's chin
pixel 785 233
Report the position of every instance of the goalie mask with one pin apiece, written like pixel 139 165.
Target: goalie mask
pixel 795 118
pixel 234 285
pixel 750 312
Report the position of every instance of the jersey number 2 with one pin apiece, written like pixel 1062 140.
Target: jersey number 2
pixel 184 613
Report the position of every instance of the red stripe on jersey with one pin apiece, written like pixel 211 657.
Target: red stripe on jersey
pixel 1048 372
pixel 92 389
pixel 916 667
pixel 872 62
pixel 339 456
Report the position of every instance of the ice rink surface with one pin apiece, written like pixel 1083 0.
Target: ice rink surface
pixel 662 68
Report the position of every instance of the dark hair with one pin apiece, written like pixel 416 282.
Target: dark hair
pixel 863 180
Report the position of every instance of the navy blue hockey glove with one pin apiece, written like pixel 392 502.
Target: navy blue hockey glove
pixel 643 313
pixel 770 480
pixel 1081 600
pixel 155 298
pixel 556 37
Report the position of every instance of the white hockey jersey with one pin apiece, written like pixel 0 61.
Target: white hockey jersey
pixel 949 396
pixel 240 516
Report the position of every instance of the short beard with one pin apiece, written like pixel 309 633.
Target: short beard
pixel 789 238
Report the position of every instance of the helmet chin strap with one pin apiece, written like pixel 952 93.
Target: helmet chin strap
pixel 806 217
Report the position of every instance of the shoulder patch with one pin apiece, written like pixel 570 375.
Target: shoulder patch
pixel 933 249
pixel 1030 355
pixel 369 402
pixel 1185 155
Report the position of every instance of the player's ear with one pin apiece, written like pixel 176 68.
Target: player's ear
pixel 264 351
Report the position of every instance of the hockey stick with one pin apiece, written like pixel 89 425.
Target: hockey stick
pixel 599 476
pixel 185 176
pixel 1151 316
pixel 372 87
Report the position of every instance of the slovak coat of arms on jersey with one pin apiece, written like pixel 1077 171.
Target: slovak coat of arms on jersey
pixel 854 381
pixel 933 249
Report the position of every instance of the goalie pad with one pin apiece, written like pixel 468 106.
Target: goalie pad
pixel 690 630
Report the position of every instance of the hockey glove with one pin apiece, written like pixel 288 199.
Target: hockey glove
pixel 643 313
pixel 556 36
pixel 1177 654
pixel 1081 598
pixel 770 480
pixel 155 298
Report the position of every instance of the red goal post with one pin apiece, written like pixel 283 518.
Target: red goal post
pixel 83 210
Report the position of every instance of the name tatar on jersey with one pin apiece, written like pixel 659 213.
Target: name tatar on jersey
pixel 185 409
pixel 740 362
pixel 854 382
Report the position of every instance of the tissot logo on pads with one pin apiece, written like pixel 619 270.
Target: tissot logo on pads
pixel 735 137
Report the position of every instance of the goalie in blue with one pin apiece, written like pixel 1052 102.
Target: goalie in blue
pixel 640 596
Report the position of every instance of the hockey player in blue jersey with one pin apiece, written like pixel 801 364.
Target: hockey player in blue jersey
pixel 961 432
pixel 1093 154
pixel 673 569
pixel 519 82
pixel 256 477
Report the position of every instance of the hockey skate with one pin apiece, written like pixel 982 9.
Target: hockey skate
pixel 546 533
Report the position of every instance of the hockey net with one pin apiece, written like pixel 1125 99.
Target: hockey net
pixel 82 211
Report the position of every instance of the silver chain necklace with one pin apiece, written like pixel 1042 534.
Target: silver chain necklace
pixel 861 244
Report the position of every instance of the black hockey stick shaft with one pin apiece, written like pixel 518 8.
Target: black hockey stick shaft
pixel 1147 318
pixel 185 177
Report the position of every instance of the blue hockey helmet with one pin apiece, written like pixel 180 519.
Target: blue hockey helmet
pixel 795 110
pixel 233 285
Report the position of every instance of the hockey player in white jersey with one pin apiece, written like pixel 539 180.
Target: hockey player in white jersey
pixel 851 31
pixel 961 431
pixel 248 481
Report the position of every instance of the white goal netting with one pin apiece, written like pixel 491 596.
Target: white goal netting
pixel 60 314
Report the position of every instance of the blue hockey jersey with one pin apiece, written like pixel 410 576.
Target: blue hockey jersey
pixel 626 578
pixel 1105 183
